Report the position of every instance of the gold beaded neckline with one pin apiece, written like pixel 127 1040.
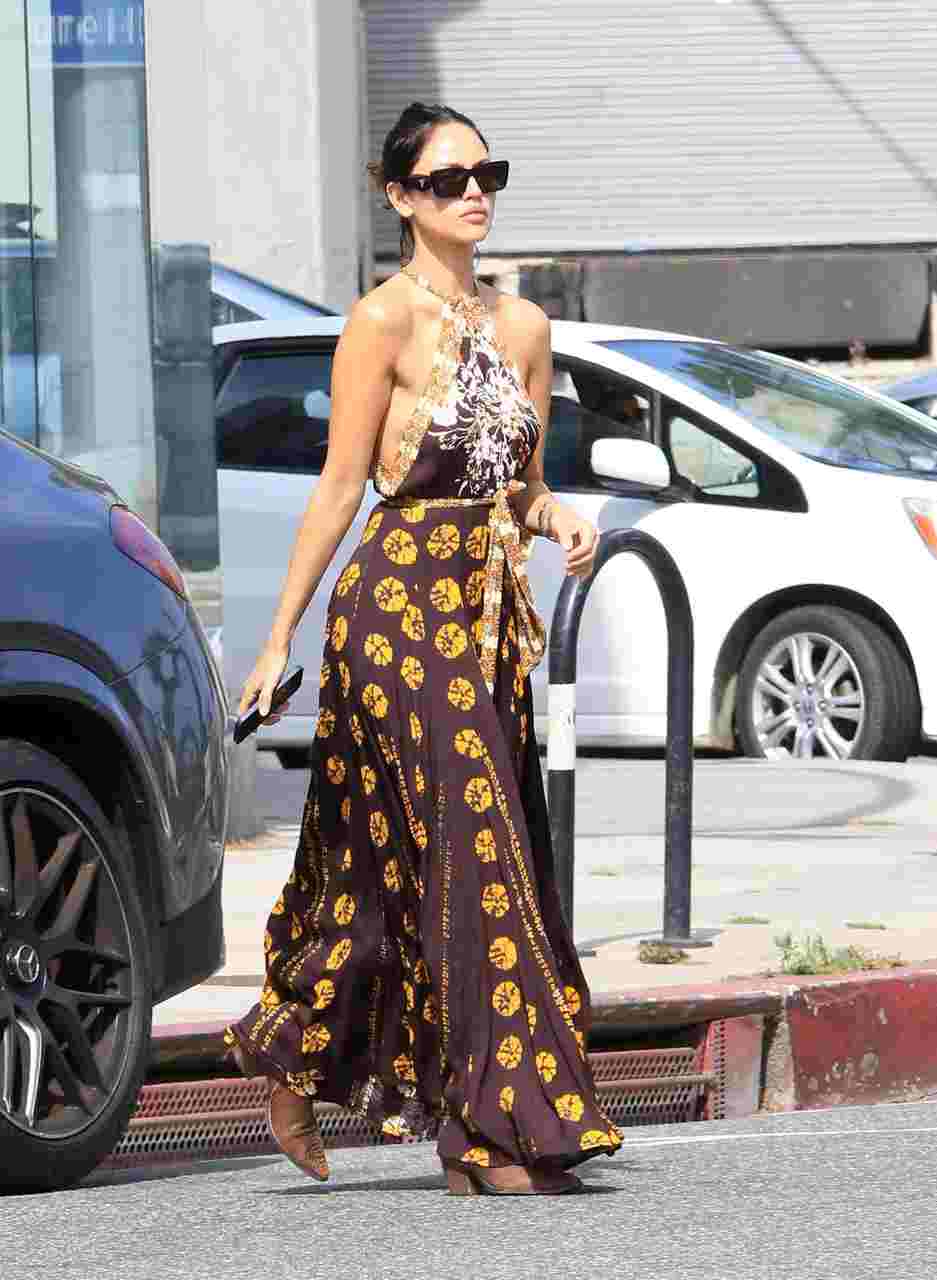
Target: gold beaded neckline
pixel 468 304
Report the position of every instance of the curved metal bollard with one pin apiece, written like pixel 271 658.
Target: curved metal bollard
pixel 561 738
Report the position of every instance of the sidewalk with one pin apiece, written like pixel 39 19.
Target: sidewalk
pixel 815 848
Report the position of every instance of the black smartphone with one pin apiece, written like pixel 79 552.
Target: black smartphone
pixel 289 682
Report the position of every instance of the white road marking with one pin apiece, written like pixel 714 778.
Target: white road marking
pixel 792 1133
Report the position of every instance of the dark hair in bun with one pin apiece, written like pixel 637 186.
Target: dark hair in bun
pixel 403 145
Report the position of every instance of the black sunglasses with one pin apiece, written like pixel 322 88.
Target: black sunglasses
pixel 448 184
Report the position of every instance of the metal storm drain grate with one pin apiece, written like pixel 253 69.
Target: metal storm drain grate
pixel 210 1119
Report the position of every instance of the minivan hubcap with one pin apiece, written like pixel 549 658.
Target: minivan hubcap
pixel 808 699
pixel 65 968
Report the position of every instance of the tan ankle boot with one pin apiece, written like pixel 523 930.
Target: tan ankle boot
pixel 292 1121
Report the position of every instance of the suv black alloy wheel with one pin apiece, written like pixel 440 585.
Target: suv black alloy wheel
pixel 75 991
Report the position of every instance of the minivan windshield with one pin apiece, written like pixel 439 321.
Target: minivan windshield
pixel 818 417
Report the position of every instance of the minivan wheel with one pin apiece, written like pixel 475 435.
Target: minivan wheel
pixel 821 682
pixel 75 989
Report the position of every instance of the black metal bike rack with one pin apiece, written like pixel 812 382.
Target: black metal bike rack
pixel 561 741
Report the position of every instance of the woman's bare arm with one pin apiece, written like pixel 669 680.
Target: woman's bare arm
pixel 362 382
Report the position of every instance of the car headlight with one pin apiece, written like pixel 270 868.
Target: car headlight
pixel 922 512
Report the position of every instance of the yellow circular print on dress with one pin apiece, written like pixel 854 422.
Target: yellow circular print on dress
pixel 445 595
pixel 477 1155
pixel 468 743
pixel 461 693
pixel 409 994
pixel 345 809
pixel 495 901
pixel 324 672
pixel 357 732
pixel 546 1066
pixel 478 794
pixel 506 999
pixel 430 1009
pixel 411 669
pixel 475 587
pixel 379 828
pixel 350 575
pixel 503 953
pixel 344 908
pixel 443 542
pixel 569 1106
pixel 414 514
pixel 371 528
pixel 368 779
pixel 485 845
pixel 476 544
pixel 315 1038
pixel 510 1052
pixel 335 769
pixel 339 954
pixel 531 1018
pixel 326 723
pixel 412 623
pixel 392 875
pixel 506 1099
pixel 325 993
pixel 344 676
pixel 403 1066
pixel 420 780
pixel 420 971
pixel 346 860
pixel 339 632
pixel 400 547
pixel 593 1138
pixel 416 729
pixel 390 594
pixel 573 1000
pixel 418 831
pixel 451 640
pixel 269 999
pixel 375 699
pixel 379 649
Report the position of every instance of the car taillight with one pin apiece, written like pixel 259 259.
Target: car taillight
pixel 134 539
pixel 922 512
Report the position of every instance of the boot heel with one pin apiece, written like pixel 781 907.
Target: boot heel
pixel 461 1183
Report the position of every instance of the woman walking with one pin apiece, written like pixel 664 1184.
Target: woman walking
pixel 418 968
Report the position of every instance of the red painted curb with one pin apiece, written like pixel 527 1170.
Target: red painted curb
pixel 864 1041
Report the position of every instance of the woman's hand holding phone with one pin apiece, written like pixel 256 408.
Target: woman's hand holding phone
pixel 261 683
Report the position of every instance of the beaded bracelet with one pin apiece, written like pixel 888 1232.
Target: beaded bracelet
pixel 541 523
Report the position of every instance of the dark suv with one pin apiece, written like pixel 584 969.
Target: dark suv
pixel 113 802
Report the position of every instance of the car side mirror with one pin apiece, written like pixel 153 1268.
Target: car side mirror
pixel 635 461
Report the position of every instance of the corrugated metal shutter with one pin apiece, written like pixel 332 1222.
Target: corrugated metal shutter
pixel 678 123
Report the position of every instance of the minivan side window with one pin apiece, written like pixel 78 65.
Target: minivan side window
pixel 272 413
pixel 587 406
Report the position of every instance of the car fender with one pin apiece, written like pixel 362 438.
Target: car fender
pixel 28 673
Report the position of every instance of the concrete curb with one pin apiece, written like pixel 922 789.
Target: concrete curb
pixel 865 1037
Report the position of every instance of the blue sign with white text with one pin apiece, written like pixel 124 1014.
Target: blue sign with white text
pixel 90 33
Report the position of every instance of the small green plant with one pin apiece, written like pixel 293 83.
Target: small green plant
pixel 865 924
pixel 811 955
pixel 748 920
pixel 660 953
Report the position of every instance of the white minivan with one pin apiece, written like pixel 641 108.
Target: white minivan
pixel 801 511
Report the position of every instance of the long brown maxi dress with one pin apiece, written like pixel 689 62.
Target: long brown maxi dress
pixel 418 967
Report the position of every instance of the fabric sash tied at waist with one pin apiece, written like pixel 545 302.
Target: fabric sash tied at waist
pixel 509 547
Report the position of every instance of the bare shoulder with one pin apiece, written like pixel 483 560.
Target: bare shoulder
pixel 383 314
pixel 521 321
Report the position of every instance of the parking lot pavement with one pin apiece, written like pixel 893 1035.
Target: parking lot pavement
pixel 808 847
pixel 835 1195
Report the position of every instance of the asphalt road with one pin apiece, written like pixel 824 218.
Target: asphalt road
pixel 833 1195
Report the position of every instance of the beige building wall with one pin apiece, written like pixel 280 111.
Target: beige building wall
pixel 255 138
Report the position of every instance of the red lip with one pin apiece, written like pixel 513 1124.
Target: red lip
pixel 476 213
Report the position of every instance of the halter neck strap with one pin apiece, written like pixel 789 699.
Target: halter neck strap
pixel 469 305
